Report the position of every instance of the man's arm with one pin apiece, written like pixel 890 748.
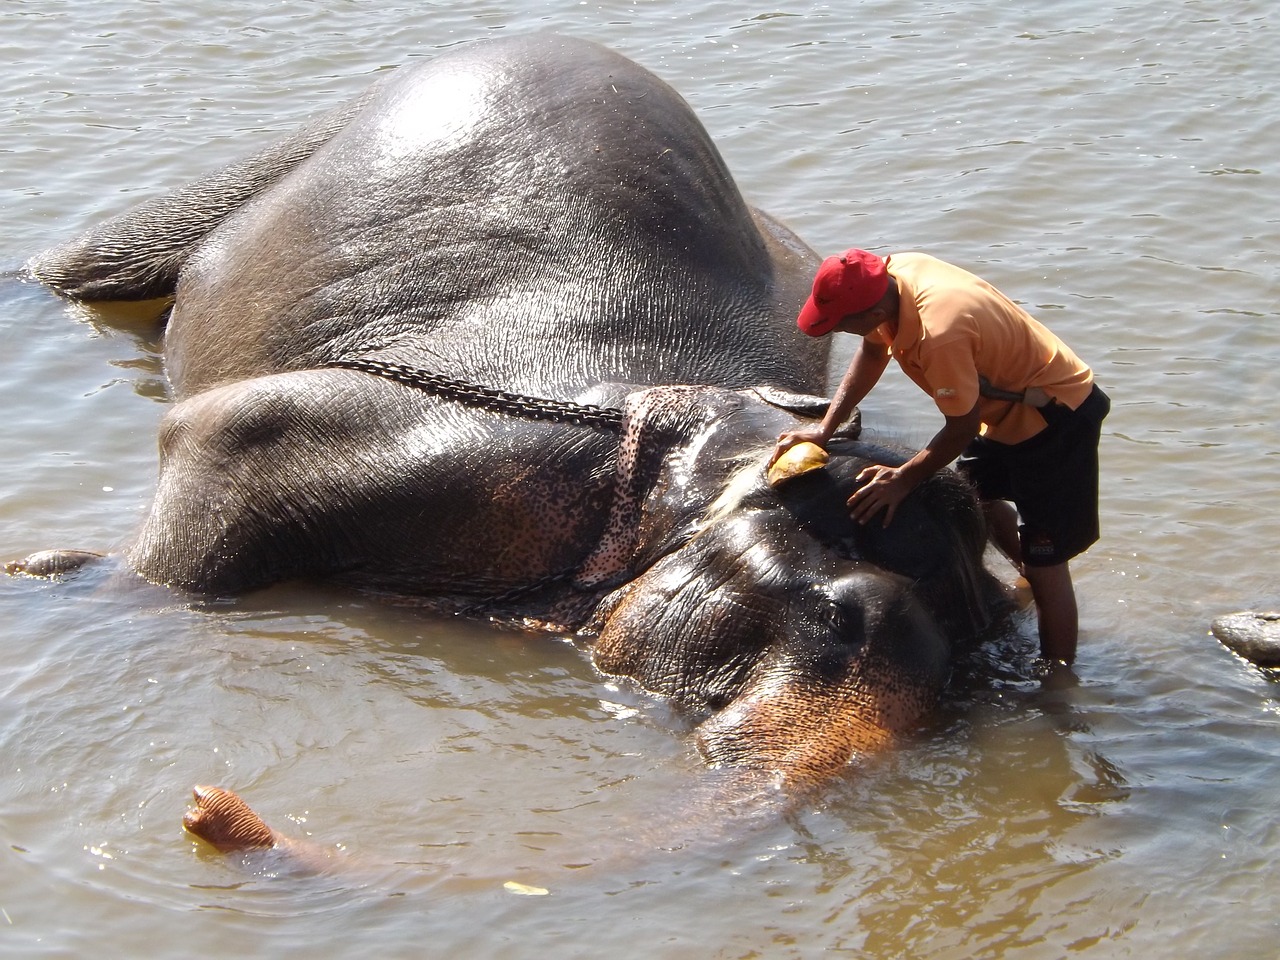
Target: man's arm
pixel 865 369
pixel 883 488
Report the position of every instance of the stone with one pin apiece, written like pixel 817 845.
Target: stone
pixel 1253 635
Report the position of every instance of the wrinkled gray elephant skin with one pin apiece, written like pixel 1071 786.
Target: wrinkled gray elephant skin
pixel 543 217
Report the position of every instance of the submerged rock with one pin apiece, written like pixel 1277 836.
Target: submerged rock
pixel 1255 636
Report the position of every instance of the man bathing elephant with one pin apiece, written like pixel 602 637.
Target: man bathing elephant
pixel 503 335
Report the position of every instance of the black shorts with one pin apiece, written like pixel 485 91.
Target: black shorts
pixel 1052 478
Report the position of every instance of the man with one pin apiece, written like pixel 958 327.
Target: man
pixel 1021 411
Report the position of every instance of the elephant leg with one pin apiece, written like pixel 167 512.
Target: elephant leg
pixel 335 474
pixel 266 480
pixel 139 254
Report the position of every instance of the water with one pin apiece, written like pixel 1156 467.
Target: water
pixel 1112 167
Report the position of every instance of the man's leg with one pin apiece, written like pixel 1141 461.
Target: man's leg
pixel 1056 608
pixel 1051 586
pixel 1002 528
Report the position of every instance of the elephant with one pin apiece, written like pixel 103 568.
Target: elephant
pixel 502 335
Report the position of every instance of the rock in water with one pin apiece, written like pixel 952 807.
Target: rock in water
pixel 1255 636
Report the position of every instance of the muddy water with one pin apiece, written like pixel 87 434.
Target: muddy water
pixel 1112 168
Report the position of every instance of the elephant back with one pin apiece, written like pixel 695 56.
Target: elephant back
pixel 540 214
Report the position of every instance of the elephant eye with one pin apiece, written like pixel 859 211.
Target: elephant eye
pixel 844 624
pixel 837 618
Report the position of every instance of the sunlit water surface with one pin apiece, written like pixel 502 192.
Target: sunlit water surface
pixel 1111 166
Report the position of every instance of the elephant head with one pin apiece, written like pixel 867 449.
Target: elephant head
pixel 799 638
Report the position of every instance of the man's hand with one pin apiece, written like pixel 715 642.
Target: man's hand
pixel 882 488
pixel 787 440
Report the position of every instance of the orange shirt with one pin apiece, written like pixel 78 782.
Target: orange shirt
pixel 954 327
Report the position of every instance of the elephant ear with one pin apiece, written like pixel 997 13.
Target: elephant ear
pixel 808 406
pixel 656 421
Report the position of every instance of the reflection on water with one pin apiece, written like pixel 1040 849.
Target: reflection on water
pixel 1107 167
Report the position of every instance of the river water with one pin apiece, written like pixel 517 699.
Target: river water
pixel 1112 166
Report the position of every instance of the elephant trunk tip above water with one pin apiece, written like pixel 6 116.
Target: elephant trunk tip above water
pixel 499 334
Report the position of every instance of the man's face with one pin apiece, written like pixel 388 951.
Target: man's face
pixel 864 322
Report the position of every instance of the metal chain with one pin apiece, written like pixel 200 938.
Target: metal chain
pixel 475 395
pixel 516 593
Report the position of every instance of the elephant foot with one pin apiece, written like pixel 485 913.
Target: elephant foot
pixel 1255 636
pixel 223 820
pixel 50 563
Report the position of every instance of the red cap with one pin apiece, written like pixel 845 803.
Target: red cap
pixel 850 283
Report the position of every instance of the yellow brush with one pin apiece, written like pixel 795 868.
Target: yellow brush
pixel 802 458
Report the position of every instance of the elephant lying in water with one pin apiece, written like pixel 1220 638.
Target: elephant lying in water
pixel 502 333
